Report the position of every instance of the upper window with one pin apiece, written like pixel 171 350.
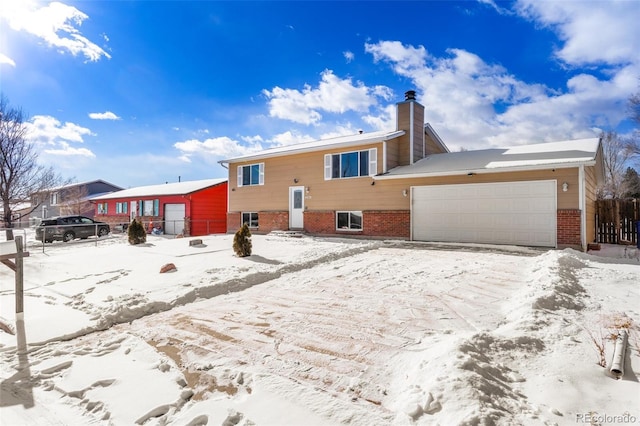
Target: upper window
pixel 54 198
pixel 251 175
pixel 351 164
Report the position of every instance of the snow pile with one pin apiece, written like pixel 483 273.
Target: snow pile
pixel 318 332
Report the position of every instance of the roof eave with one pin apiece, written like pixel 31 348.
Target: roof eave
pixel 486 170
pixel 261 156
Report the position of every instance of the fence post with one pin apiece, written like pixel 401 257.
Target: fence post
pixel 19 275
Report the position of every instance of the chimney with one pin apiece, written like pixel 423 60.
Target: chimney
pixel 410 118
pixel 410 95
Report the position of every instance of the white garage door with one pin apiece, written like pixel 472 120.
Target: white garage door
pixel 174 219
pixel 518 213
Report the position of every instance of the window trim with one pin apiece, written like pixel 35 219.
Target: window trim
pixel 103 208
pixel 240 173
pixel 257 221
pixel 350 212
pixel 372 168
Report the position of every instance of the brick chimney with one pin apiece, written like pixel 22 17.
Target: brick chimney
pixel 410 118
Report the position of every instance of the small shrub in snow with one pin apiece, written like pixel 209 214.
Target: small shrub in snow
pixel 242 241
pixel 136 233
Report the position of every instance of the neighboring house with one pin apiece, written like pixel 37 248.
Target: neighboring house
pixel 19 215
pixel 188 208
pixel 406 184
pixel 68 199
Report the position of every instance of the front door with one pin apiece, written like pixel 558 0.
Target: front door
pixel 296 207
pixel 133 210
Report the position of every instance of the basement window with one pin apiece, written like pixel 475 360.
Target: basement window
pixel 250 218
pixel 349 221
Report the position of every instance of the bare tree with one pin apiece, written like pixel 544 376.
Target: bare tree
pixel 75 201
pixel 616 156
pixel 633 145
pixel 20 174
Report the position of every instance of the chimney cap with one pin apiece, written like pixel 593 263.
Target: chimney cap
pixel 410 95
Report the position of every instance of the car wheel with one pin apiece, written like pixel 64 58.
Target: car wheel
pixel 68 236
pixel 102 232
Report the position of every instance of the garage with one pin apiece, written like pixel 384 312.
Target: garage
pixel 517 213
pixel 174 215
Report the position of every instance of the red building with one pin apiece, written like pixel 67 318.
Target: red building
pixel 187 208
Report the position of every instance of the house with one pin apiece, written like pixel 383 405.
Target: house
pixel 405 184
pixel 68 199
pixel 189 208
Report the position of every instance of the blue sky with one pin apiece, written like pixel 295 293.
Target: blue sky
pixel 144 92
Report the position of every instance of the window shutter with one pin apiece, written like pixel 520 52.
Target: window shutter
pixel 156 207
pixel 261 171
pixel 239 176
pixel 373 161
pixel 327 167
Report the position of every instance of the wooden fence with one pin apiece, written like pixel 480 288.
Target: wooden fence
pixel 616 221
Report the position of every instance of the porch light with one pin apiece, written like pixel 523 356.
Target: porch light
pixel 404 192
pixel 565 186
pixel 295 180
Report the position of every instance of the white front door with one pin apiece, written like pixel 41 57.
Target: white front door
pixel 296 207
pixel 133 211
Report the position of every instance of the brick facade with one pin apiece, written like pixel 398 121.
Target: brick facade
pixel 568 232
pixel 267 221
pixel 375 223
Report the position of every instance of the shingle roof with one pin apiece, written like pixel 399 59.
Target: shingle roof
pixel 175 188
pixel 525 157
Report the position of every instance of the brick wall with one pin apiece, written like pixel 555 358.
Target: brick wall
pixel 382 223
pixel 233 221
pixel 267 221
pixel 273 221
pixel 569 228
pixel 376 223
pixel 320 222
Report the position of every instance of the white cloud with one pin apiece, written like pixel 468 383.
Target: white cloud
pixel 348 56
pixel 591 32
pixel 4 59
pixel 474 104
pixel 107 115
pixel 54 137
pixel 64 149
pixel 289 138
pixel 221 147
pixel 333 95
pixel 56 23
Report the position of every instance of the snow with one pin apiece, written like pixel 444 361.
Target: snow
pixel 317 331
pixel 173 188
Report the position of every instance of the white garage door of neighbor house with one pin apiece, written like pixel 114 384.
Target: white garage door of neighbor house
pixel 518 213
pixel 174 218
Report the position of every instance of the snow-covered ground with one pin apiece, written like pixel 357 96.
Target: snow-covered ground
pixel 318 331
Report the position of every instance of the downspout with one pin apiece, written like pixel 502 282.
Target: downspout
pixel 582 202
pixel 617 363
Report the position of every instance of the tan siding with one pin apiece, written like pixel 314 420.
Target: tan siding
pixel 359 193
pixel 432 146
pixel 590 200
pixel 392 154
pixel 308 169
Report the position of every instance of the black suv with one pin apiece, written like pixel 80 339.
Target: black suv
pixel 67 228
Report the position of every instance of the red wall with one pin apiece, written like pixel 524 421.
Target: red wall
pixel 206 209
pixel 209 210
